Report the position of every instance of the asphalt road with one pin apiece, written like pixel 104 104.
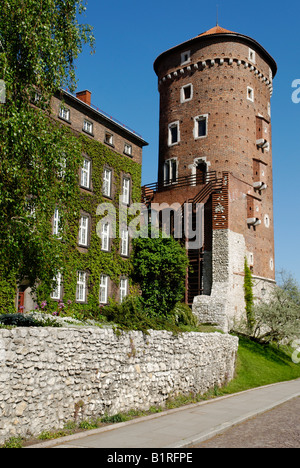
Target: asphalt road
pixel 277 428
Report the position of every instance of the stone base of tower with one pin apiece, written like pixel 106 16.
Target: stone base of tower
pixel 225 305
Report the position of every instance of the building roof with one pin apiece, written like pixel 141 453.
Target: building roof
pixel 220 32
pixel 216 30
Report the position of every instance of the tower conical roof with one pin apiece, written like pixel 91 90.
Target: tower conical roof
pixel 216 30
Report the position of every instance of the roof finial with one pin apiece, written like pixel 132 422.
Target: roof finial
pixel 217 15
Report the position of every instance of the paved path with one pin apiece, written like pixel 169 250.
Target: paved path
pixel 185 427
pixel 277 428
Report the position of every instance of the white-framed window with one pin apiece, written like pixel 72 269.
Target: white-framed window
pixel 103 292
pixel 56 292
pixel 83 231
pixel 64 113
pixel 81 286
pixel 87 126
pixel 123 288
pixel 126 190
pixel 109 138
pixel 62 166
pixel 251 56
pixel 269 109
pixel 124 242
pixel 200 126
pixel 185 57
pixel 85 179
pixel 105 232
pixel 170 171
pixel 173 133
pixel 128 149
pixel 271 264
pixel 56 224
pixel 250 94
pixel 107 176
pixel 186 93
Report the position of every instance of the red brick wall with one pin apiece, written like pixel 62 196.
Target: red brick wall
pixel 220 92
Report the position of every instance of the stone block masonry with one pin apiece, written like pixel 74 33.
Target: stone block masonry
pixel 50 376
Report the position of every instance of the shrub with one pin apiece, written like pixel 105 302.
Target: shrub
pixel 19 320
pixel 160 266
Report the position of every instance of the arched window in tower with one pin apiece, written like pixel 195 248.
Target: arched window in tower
pixel 201 170
pixel 170 172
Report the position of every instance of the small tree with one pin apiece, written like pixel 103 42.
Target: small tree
pixel 279 318
pixel 160 266
pixel 248 289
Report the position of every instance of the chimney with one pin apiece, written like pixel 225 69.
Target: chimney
pixel 84 96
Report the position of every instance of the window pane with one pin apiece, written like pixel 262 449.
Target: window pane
pixel 124 242
pixel 123 289
pixel 81 287
pixel 105 237
pixel 126 186
pixel 202 127
pixel 56 293
pixel 103 289
pixel 174 134
pixel 85 174
pixel 83 230
pixel 107 183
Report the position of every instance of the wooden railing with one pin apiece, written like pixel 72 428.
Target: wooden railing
pixel 189 181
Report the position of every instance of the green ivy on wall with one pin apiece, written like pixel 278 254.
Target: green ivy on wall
pixel 93 260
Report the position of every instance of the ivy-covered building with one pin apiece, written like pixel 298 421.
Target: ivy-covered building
pixel 96 264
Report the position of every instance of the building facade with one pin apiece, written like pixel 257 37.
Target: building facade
pixel 97 261
pixel 215 151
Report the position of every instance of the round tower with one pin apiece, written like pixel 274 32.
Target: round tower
pixel 215 125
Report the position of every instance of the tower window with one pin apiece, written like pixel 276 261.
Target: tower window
pixel 174 134
pixel 251 55
pixel 186 93
pixel 185 57
pixel 200 127
pixel 250 94
pixel 170 171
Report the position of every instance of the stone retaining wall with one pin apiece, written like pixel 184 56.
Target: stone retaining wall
pixel 49 376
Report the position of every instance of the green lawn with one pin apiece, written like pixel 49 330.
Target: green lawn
pixel 259 365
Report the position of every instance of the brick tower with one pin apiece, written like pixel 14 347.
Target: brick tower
pixel 215 149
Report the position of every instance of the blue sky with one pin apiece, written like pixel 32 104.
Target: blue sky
pixel 131 34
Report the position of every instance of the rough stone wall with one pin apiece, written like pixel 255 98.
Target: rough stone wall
pixel 50 376
pixel 226 301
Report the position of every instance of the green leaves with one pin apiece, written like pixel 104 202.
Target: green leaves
pixel 160 267
pixel 41 41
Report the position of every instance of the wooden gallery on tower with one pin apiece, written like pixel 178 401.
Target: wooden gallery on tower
pixel 215 150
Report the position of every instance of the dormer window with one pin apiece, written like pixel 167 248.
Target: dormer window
pixel 185 57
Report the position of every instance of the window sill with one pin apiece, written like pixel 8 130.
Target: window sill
pixel 65 120
pixel 88 133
